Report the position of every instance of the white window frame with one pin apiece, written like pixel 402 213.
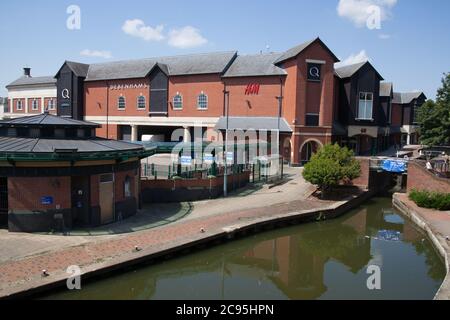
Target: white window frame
pixel 19 105
pixel 202 94
pixel 124 103
pixel 50 104
pixel 138 102
pixel 35 104
pixel 365 104
pixel 174 103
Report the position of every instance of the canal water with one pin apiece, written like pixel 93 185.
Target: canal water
pixel 322 260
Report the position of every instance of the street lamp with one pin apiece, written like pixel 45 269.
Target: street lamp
pixel 227 107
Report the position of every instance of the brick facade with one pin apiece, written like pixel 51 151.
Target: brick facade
pixel 421 179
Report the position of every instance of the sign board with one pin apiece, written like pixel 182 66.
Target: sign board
pixel 314 71
pixel 47 200
pixel 208 158
pixel 186 160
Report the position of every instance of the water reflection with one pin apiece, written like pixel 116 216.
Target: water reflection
pixel 325 260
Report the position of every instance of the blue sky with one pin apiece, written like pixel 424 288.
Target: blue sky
pixel 412 48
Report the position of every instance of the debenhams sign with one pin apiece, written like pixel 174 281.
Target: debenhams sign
pixel 128 86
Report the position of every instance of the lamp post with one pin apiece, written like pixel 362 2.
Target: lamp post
pixel 227 107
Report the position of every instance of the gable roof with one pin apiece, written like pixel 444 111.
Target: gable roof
pixel 295 51
pixel 208 63
pixel 47 119
pixel 79 69
pixel 30 81
pixel 386 89
pixel 406 97
pixel 349 70
pixel 255 65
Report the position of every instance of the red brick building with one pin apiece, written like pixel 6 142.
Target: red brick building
pixel 299 92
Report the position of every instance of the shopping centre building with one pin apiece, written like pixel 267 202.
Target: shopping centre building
pixel 298 92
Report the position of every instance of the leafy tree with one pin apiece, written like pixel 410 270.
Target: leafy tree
pixel 331 165
pixel 434 117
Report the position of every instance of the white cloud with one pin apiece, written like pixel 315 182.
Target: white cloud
pixel 359 11
pixel 186 37
pixel 137 28
pixel 384 36
pixel 354 58
pixel 96 54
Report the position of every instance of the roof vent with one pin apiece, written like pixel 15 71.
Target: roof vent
pixel 27 72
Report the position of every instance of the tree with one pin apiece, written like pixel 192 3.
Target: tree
pixel 434 117
pixel 331 165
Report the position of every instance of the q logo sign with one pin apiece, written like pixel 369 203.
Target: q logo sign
pixel 314 72
pixel 65 94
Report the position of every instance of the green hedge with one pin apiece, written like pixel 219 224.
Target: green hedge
pixel 431 200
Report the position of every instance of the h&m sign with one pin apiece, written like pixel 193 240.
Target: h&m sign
pixel 252 89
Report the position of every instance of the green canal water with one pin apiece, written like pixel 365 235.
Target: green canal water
pixel 323 260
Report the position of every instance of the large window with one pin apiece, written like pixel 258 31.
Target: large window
pixel 127 187
pixel 19 105
pixel 202 101
pixel 141 102
pixel 121 103
pixel 365 107
pixel 178 102
pixel 415 113
pixel 34 105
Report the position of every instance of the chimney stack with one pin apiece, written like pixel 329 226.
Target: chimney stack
pixel 27 72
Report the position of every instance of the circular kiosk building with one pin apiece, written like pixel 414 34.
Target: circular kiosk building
pixel 55 175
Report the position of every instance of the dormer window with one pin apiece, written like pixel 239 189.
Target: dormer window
pixel 121 104
pixel 365 106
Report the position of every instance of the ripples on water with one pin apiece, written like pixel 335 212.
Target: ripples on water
pixel 324 260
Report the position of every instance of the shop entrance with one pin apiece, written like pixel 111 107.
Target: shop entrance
pixel 3 202
pixel 80 201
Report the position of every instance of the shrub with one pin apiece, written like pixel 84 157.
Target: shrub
pixel 330 165
pixel 431 200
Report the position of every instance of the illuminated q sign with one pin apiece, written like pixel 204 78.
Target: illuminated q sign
pixel 252 89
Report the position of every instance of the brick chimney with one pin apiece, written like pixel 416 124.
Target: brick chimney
pixel 27 72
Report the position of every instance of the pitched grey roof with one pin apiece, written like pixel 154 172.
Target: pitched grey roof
pixel 27 81
pixel 295 51
pixel 80 69
pixel 405 97
pixel 47 119
pixel 349 70
pixel 255 123
pixel 36 145
pixel 255 65
pixel 386 89
pixel 177 65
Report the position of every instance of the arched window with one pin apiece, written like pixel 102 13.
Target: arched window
pixel 34 105
pixel 141 102
pixel 127 187
pixel 202 101
pixel 121 103
pixel 19 105
pixel 178 102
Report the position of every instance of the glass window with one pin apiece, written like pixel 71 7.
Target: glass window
pixel 202 101
pixel 121 103
pixel 141 102
pixel 35 105
pixel 178 102
pixel 365 107
pixel 50 104
pixel 19 104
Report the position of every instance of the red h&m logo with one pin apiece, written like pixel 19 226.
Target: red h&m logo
pixel 252 88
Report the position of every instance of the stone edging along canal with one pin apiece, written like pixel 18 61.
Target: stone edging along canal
pixel 438 240
pixel 183 246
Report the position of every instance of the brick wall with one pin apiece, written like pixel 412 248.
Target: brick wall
pixel 24 194
pixel 420 179
pixel 364 180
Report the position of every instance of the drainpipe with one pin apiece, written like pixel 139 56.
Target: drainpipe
pixel 226 101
